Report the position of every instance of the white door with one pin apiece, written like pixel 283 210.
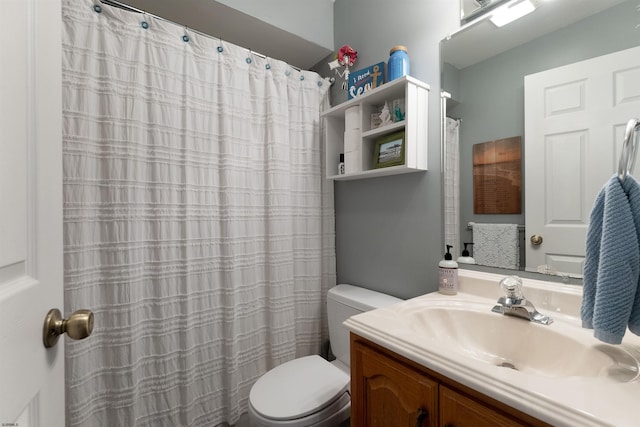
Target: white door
pixel 575 117
pixel 31 377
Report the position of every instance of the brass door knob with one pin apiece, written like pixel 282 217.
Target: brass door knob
pixel 78 326
pixel 536 240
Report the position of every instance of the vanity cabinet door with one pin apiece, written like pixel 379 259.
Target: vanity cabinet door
pixel 457 410
pixel 385 392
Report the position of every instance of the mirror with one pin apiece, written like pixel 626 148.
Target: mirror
pixel 483 68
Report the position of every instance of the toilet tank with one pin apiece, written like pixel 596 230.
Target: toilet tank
pixel 344 301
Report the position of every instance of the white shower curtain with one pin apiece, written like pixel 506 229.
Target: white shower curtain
pixel 198 226
pixel 452 185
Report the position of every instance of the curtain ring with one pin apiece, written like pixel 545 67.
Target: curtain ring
pixel 144 23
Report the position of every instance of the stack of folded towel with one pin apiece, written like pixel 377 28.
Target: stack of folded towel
pixel 611 299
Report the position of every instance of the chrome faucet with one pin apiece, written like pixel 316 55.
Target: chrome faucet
pixel 513 303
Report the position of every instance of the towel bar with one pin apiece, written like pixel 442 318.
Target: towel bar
pixel 629 148
pixel 470 226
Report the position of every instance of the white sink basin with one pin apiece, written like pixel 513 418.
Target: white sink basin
pixel 505 341
pixel 560 373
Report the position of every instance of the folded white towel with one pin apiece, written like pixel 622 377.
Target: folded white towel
pixel 496 245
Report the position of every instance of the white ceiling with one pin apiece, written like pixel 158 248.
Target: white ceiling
pixel 462 48
pixel 231 25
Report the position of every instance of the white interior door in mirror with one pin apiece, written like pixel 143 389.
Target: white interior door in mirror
pixel 31 377
pixel 575 118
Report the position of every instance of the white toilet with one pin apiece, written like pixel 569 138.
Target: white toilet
pixel 309 391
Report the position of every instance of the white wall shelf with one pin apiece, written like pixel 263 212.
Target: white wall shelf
pixel 348 130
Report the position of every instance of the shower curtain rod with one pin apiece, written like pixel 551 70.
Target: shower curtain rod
pixel 129 8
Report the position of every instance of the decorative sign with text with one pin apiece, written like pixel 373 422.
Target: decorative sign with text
pixel 364 80
pixel 497 177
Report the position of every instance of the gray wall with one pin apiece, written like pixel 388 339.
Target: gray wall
pixel 491 93
pixel 389 229
pixel 311 20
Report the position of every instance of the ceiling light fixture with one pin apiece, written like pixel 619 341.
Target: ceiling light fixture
pixel 510 12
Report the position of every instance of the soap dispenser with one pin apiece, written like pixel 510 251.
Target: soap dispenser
pixel 448 274
pixel 466 258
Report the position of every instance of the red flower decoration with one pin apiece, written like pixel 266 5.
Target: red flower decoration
pixel 347 56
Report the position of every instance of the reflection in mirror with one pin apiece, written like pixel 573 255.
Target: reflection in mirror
pixel 484 67
pixel 473 9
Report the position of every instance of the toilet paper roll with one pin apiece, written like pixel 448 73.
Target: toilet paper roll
pixel 352 118
pixel 351 140
pixel 353 162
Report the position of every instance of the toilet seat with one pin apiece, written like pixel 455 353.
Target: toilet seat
pixel 303 392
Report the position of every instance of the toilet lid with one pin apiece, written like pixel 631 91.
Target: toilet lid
pixel 298 388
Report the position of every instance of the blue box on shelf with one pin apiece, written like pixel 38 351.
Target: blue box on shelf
pixel 366 79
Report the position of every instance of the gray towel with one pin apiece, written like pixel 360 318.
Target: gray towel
pixel 496 245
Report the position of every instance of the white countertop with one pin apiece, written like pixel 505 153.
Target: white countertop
pixel 558 400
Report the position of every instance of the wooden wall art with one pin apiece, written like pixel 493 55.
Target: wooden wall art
pixel 497 176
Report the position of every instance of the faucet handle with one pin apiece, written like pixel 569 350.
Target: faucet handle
pixel 512 286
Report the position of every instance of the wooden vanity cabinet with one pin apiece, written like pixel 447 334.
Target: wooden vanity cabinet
pixel 458 410
pixel 392 391
pixel 385 392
